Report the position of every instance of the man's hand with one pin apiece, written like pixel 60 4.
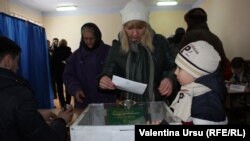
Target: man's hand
pixel 47 115
pixel 79 96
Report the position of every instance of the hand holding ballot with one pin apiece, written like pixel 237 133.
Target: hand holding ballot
pixel 122 84
pixel 106 83
pixel 128 85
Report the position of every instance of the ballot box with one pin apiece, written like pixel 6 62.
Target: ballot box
pixel 115 122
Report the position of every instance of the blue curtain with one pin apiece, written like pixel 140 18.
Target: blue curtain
pixel 34 59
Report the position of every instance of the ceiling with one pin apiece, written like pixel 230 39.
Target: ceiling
pixel 94 6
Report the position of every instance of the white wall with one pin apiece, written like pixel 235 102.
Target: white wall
pixel 68 27
pixel 25 12
pixel 4 6
pixel 229 19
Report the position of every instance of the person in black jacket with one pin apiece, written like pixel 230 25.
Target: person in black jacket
pixel 58 64
pixel 197 29
pixel 239 70
pixel 19 118
pixel 176 38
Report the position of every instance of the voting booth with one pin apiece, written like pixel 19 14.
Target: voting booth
pixel 115 122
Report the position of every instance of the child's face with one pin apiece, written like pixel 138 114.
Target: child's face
pixel 183 77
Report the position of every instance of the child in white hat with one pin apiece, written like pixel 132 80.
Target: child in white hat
pixel 202 94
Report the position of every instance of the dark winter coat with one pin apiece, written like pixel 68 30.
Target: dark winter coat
pixel 200 31
pixel 162 59
pixel 83 68
pixel 19 118
pixel 81 73
pixel 210 106
pixel 59 58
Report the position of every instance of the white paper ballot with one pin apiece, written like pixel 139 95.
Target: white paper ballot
pixel 128 85
pixel 237 88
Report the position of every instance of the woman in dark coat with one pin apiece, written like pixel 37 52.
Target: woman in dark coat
pixel 84 66
pixel 140 55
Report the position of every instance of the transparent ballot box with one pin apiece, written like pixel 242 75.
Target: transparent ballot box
pixel 115 122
